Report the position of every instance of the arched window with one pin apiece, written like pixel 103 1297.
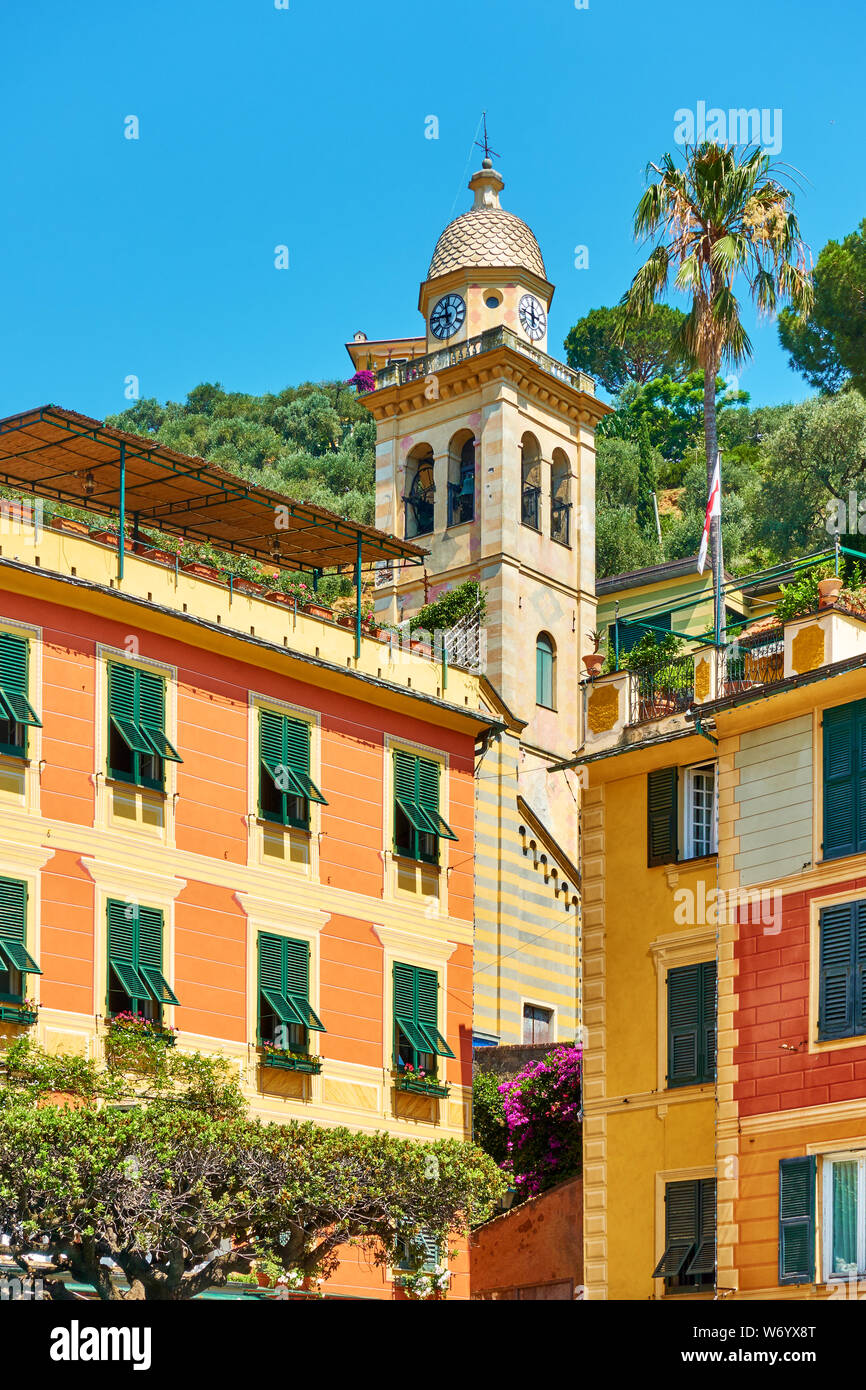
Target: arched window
pixel 560 499
pixel 420 492
pixel 461 480
pixel 545 661
pixel 530 470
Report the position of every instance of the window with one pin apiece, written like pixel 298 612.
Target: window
pixel 844 1218
pixel 700 815
pixel 689 1259
pixel 537 1024
pixel 560 505
pixel 15 960
pixel 285 786
pixel 530 478
pixel 544 670
pixel 135 979
pixel 137 745
pixel 418 826
pixel 625 633
pixel 419 502
pixel 461 484
pixel 286 1016
pixel 16 712
pixel 417 1040
pixel 690 798
pixel 662 839
pixel 797 1220
pixel 842 970
pixel 417 1254
pixel 844 782
pixel 692 1024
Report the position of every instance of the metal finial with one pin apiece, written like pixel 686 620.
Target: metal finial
pixel 485 144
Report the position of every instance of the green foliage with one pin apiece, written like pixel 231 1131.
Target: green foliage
pixel 442 614
pixel 616 351
pixel 801 596
pixel 620 544
pixel 315 442
pixel 543 1114
pixel 178 1188
pixel 651 649
pixel 829 346
pixel 647 482
pixel 488 1116
pixel 673 412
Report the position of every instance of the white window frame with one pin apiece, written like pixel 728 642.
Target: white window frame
pixel 857 1156
pixel 690 807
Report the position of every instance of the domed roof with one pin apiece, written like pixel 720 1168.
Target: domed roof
pixel 486 235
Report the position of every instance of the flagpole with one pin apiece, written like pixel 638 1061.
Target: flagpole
pixel 718 559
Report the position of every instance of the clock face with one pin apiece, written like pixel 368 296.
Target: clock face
pixel 532 317
pixel 447 316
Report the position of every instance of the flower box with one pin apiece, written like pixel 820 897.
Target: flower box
pixel 420 1085
pixel 317 610
pixel 104 537
pixel 15 1013
pixel 292 1061
pixel 68 523
pixel 159 557
pixel 118 1028
pixel 199 570
pixel 247 586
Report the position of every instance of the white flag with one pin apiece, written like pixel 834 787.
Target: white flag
pixel 714 508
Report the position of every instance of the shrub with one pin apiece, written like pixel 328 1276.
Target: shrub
pixel 543 1114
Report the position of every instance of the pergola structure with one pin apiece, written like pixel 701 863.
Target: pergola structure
pixel 65 457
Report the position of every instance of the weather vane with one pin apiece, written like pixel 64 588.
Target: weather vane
pixel 484 144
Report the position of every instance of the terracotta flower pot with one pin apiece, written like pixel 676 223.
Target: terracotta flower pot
pixel 199 570
pixel 593 662
pixel 67 523
pixel 104 537
pixel 828 590
pixel 159 557
pixel 317 610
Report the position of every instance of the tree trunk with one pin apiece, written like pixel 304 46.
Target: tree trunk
pixel 711 370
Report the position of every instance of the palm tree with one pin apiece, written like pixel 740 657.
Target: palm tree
pixel 720 215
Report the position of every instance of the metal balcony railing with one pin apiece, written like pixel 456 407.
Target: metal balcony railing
pixel 560 522
pixel 753 659
pixel 398 373
pixel 529 506
pixel 667 687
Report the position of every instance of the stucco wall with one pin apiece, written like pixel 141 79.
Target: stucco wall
pixel 525 1252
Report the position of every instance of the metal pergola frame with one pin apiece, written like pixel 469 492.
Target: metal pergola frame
pixel 70 458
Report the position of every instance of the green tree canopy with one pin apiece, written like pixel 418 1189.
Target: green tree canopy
pixel 171 1191
pixel 616 351
pixel 829 346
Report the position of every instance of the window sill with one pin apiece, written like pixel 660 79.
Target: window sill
pixel 111 780
pixel 281 1061
pixel 529 527
pixel 409 859
pixel 566 545
pixel 421 1086
pixel 303 829
pixel 456 525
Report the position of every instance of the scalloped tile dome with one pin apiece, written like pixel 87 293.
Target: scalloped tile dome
pixel 486 236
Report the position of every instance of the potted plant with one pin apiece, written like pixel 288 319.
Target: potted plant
pixel 103 536
pixel 829 590
pixel 248 576
pixel 287 1060
pixel 594 660
pixel 163 553
pixel 201 560
pixel 24 1012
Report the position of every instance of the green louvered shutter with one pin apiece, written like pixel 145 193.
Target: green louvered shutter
pixel 708 1020
pixel 406 790
pixel 297 757
pixel 684 1024
pixel 836 989
pixel 704 1259
pixel 662 816
pixel 271 740
pixel 797 1220
pixel 406 1007
pixel 123 949
pixel 842 739
pixel 150 928
pixel 13 928
pixel 271 981
pixel 14 681
pixel 151 715
pixel 284 749
pixel 427 986
pixel 681 1228
pixel 428 798
pixel 296 977
pixel 860 967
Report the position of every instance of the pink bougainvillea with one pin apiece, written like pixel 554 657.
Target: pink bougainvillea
pixel 543 1115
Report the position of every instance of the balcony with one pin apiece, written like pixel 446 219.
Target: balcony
pixel 399 373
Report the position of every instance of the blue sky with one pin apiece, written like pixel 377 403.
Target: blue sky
pixel 305 127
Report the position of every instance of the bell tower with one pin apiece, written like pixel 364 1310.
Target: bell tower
pixel 485 455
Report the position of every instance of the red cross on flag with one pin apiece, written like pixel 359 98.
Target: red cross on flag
pixel 714 508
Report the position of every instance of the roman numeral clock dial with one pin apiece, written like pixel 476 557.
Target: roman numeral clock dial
pixel 532 317
pixel 447 316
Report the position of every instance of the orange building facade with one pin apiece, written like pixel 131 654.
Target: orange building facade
pixel 314 930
